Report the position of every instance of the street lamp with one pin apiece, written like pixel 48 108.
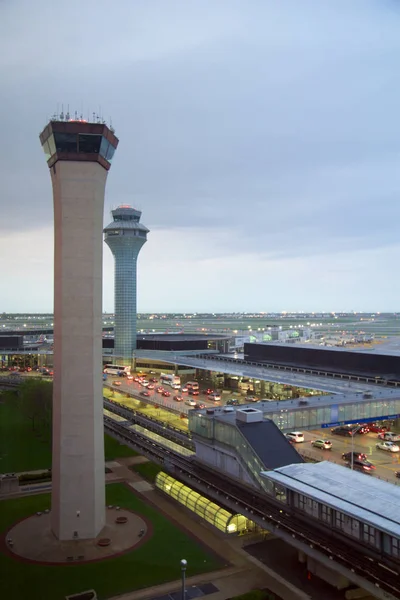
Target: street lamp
pixel 183 573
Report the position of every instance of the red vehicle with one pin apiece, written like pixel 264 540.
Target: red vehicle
pixel 208 391
pixel 200 405
pixel 165 393
pixel 178 398
pixel 193 392
pixel 150 386
pixel 376 428
pixel 160 389
pixel 145 393
pixel 153 380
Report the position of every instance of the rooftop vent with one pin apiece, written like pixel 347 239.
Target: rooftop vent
pixel 249 415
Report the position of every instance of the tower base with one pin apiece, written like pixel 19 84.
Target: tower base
pixel 33 541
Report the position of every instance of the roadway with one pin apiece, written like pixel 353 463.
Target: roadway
pixel 386 462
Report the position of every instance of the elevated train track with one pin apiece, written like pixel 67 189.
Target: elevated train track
pixel 383 575
pixel 165 430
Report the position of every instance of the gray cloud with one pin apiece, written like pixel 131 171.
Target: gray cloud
pixel 274 122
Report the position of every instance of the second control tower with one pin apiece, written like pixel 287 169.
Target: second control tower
pixel 125 236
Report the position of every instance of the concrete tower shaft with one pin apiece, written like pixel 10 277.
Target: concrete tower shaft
pixel 125 237
pixel 78 155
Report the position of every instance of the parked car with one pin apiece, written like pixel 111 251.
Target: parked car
pixel 388 446
pixel 376 428
pixel 322 444
pixel 178 398
pixel 356 456
pixel 344 430
pixel 362 429
pixel 117 383
pixel 296 436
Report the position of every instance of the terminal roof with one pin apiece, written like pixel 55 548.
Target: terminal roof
pixel 370 500
pixel 269 443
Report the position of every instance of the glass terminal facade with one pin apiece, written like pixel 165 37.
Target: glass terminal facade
pixel 125 237
pixel 336 413
pixel 203 507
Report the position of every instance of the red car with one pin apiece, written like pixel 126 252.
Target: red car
pixel 160 389
pixel 178 398
pixel 200 405
pixel 375 428
pixel 150 386
pixel 153 380
pixel 145 393
pixel 165 393
pixel 208 391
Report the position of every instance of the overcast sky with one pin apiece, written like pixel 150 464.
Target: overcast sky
pixel 260 138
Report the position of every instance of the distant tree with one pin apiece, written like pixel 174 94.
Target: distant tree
pixel 35 397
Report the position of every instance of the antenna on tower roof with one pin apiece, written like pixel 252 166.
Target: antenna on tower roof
pixel 62 113
pixel 67 116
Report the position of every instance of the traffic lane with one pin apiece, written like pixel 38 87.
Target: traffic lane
pixel 387 463
pixel 136 387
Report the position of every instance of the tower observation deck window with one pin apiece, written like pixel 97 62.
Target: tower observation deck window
pixel 106 149
pixel 66 142
pixel 89 143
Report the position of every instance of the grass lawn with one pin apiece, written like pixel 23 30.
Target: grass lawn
pixel 155 562
pixel 148 470
pixel 22 449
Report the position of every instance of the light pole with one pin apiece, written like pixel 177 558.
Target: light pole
pixel 183 572
pixel 352 450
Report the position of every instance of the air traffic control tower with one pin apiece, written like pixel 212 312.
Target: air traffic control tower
pixel 79 155
pixel 125 237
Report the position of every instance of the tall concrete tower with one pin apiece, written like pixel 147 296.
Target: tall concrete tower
pixel 125 236
pixel 79 156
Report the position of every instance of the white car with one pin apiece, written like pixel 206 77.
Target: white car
pixel 144 382
pixel 389 436
pixel 191 402
pixel 129 377
pixel 251 399
pixel 215 397
pixel 388 446
pixel 295 436
pixel 323 444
